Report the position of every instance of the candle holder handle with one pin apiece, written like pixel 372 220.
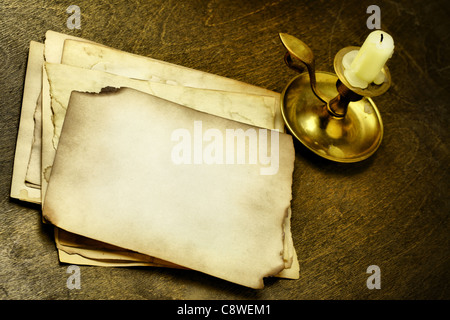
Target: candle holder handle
pixel 325 113
pixel 298 50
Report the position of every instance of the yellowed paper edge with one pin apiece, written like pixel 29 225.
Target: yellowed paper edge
pixel 19 189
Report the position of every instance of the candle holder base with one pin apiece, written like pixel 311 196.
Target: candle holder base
pixel 351 138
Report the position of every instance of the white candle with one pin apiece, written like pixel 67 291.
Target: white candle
pixel 369 60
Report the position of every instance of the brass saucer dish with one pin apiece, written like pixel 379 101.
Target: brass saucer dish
pixel 325 113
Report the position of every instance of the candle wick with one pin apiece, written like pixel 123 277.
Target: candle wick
pixel 381 38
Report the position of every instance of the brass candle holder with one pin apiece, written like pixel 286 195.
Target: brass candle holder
pixel 325 113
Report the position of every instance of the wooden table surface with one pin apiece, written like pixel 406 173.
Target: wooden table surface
pixel 391 210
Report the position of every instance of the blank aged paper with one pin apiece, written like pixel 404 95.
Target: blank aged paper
pixel 25 148
pixel 99 57
pixel 180 87
pixel 121 187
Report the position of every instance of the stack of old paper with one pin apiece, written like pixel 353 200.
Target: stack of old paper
pixel 139 162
